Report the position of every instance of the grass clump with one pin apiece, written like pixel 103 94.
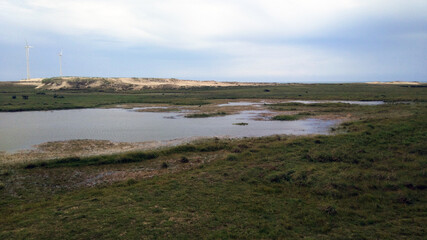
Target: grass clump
pixel 131 181
pixel 184 159
pixel 205 115
pixel 291 117
pixel 165 165
pixel 231 157
pixel 278 177
pixel 285 117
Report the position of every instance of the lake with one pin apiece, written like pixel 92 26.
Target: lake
pixel 22 130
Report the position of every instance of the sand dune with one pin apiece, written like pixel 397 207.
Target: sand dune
pixel 127 83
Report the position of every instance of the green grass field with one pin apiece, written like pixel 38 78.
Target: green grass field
pixel 368 181
pixel 67 99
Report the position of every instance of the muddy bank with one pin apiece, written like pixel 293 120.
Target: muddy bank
pixel 82 148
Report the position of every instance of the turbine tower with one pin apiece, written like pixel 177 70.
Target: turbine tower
pixel 60 63
pixel 27 51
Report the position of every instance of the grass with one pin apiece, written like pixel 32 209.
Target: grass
pixel 370 182
pixel 131 157
pixel 205 115
pixel 291 117
pixel 39 99
pixel 285 117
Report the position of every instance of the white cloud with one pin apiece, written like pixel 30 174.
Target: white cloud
pixel 187 23
pixel 193 23
pixel 222 26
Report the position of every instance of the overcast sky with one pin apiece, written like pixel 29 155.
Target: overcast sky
pixel 242 40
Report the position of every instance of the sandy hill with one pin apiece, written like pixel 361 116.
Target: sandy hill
pixel 126 83
pixel 396 83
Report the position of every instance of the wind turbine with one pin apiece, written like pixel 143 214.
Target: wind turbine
pixel 27 51
pixel 60 63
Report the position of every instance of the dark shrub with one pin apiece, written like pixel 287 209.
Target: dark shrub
pixel 184 160
pixel 30 166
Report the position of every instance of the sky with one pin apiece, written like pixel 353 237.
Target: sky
pixel 223 40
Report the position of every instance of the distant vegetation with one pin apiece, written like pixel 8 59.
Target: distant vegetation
pixel 39 99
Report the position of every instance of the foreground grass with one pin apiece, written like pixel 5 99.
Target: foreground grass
pixel 370 183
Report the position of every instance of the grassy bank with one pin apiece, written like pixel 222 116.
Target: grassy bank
pixel 369 183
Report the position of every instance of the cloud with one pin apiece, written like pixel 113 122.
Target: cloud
pixel 251 37
pixel 178 23
pixel 194 24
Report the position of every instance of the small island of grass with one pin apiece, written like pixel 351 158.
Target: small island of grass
pixel 241 124
pixel 205 115
pixel 290 117
pixel 285 117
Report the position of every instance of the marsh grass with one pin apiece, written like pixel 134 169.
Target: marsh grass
pixel 285 117
pixel 241 124
pixel 364 184
pixel 367 183
pixel 291 117
pixel 39 99
pixel 205 115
